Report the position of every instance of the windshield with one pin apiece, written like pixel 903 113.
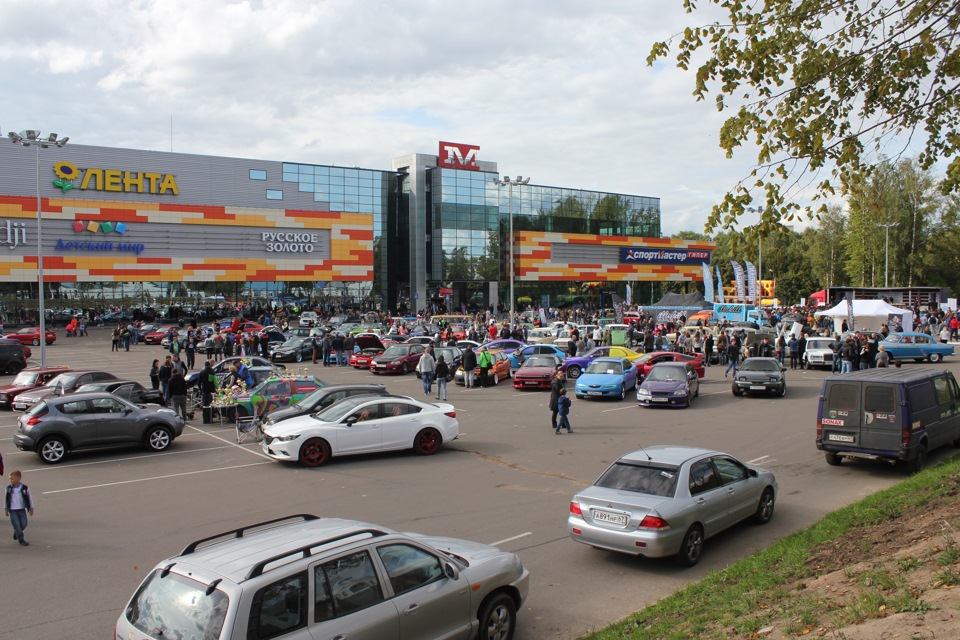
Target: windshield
pixel 654 480
pixel 610 368
pixel 293 342
pixel 818 344
pixel 540 361
pixel 760 365
pixel 339 411
pixel 66 379
pixel 395 352
pixel 448 354
pixel 25 379
pixel 667 373
pixel 643 358
pixel 174 606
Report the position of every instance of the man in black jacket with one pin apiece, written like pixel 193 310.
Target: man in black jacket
pixel 208 385
pixel 469 366
pixel 555 387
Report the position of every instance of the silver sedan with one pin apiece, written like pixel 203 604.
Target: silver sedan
pixel 666 500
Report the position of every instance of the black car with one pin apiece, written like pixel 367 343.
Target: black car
pixel 323 398
pixel 127 389
pixel 222 368
pixel 760 375
pixel 12 358
pixel 294 350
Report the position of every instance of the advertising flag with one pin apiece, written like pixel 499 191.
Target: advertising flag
pixel 751 282
pixel 629 295
pixel 738 275
pixel 719 285
pixel 707 283
pixel 850 318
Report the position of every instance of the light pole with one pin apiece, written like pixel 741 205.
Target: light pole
pixel 886 260
pixel 28 138
pixel 507 182
pixel 759 210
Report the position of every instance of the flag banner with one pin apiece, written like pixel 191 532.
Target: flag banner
pixel 850 318
pixel 719 285
pixel 751 282
pixel 738 275
pixel 629 295
pixel 707 283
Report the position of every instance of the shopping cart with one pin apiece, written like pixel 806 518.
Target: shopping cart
pixel 248 427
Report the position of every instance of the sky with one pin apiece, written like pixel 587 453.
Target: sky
pixel 558 90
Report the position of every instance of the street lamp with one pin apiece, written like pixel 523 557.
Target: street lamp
pixel 28 138
pixel 759 210
pixel 507 182
pixel 886 261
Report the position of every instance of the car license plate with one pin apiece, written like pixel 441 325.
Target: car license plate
pixel 757 387
pixel 595 393
pixel 381 366
pixel 618 519
pixel 659 399
pixel 530 383
pixel 836 437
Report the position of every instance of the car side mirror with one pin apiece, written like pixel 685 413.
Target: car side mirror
pixel 752 473
pixel 783 368
pixel 352 420
pixel 451 571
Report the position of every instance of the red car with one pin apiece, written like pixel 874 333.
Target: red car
pixel 245 327
pixel 25 381
pixel 155 337
pixel 645 362
pixel 536 372
pixel 31 335
pixel 370 347
pixel 399 358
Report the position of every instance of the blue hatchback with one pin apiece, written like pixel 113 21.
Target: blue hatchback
pixel 607 377
pixel 517 357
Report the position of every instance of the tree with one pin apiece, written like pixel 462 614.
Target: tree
pixel 825 247
pixel 819 86
pixel 457 265
pixel 570 207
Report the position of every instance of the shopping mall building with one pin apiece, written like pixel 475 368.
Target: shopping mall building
pixel 433 226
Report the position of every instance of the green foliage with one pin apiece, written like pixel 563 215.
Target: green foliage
pixel 819 88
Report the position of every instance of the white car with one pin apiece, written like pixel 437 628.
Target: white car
pixel 308 319
pixel 362 424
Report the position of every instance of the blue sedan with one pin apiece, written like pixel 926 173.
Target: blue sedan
pixel 517 357
pixel 607 377
pixel 919 346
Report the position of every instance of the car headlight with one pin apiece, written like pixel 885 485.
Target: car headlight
pixel 609 386
pixel 395 362
pixel 681 392
pixel 289 438
pixel 643 392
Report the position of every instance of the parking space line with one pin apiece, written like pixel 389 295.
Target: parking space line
pixel 115 460
pixel 173 475
pixel 616 409
pixel 511 539
pixel 233 444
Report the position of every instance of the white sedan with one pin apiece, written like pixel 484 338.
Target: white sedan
pixel 362 424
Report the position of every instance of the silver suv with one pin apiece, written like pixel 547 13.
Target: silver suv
pixel 303 577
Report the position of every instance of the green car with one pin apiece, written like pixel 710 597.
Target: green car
pixel 275 393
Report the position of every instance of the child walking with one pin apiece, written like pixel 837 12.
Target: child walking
pixel 563 411
pixel 17 503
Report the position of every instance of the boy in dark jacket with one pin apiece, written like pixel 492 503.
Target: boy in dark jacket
pixel 563 409
pixel 16 503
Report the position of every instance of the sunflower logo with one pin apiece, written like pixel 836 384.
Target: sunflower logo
pixel 67 172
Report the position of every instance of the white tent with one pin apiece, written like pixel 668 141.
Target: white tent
pixel 868 315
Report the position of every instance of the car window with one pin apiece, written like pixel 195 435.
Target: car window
pixel 276 388
pixel 366 413
pixel 408 567
pixel 279 608
pixel 175 606
pixel 107 405
pixel 942 389
pixel 879 399
pixel 843 397
pixel 650 479
pixel 730 470
pixel 74 408
pixel 345 585
pixel 331 398
pixel 393 409
pixel 703 477
pixel 124 391
pixel 921 396
pixel 101 375
pixel 921 340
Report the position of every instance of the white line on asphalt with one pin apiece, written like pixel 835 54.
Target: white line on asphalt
pixel 174 475
pixel 616 409
pixel 115 460
pixel 234 444
pixel 511 539
pixel 760 460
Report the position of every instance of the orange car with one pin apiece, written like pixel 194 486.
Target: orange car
pixel 499 371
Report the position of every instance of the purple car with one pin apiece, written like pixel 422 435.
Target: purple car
pixel 669 384
pixel 506 345
pixel 575 365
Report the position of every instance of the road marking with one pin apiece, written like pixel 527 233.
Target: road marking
pixel 616 409
pixel 233 444
pixel 174 475
pixel 114 460
pixel 761 460
pixel 511 539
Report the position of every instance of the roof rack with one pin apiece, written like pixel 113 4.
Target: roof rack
pixel 238 533
pixel 258 568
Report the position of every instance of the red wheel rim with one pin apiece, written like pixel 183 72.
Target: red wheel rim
pixel 429 441
pixel 313 454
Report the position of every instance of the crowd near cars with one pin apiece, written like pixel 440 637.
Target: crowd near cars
pixel 657 501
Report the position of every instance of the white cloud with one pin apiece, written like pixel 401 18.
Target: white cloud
pixel 555 89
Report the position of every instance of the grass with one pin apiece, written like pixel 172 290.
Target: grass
pixel 752 593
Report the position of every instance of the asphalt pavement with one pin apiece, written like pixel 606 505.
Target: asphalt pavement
pixel 105 518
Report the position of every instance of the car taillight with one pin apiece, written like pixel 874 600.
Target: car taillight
pixel 575 508
pixel 451 414
pixel 35 419
pixel 654 522
pixel 819 430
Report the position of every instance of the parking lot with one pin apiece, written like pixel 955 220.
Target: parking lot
pixel 104 518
